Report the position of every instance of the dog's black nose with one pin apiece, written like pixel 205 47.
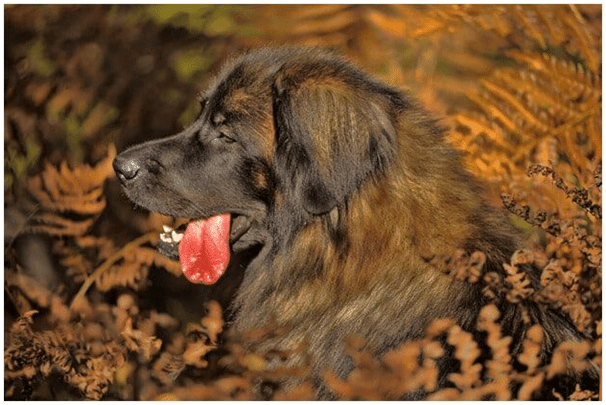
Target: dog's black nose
pixel 126 168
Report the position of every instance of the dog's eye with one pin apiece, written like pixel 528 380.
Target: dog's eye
pixel 225 138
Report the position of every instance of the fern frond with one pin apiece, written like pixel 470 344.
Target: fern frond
pixel 500 365
pixel 390 21
pixel 52 224
pixel 494 110
pixel 99 272
pixel 128 274
pixel 555 34
pixel 139 341
pixel 585 42
pixel 578 81
pixel 479 127
pixel 310 21
pixel 578 195
pixel 128 267
pixel 545 112
pixel 68 201
pixel 135 268
pixel 531 349
pixel 521 285
pixel 530 117
pixel 38 294
pixel 523 16
pixel 540 93
pixel 324 20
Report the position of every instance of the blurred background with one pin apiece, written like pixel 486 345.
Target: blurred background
pixel 513 85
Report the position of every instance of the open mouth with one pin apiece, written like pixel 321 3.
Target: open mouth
pixel 204 246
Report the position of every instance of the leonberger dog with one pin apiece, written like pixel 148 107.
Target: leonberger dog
pixel 342 187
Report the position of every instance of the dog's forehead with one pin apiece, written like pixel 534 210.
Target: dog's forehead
pixel 252 73
pixel 244 73
pixel 237 89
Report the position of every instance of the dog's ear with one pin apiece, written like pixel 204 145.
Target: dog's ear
pixel 332 132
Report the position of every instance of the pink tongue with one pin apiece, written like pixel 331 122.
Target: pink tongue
pixel 204 249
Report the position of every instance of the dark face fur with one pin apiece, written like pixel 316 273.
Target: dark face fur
pixel 219 164
pixel 275 138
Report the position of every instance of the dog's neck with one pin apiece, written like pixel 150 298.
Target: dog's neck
pixel 345 248
pixel 421 205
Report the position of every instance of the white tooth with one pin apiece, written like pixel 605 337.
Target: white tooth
pixel 176 236
pixel 167 228
pixel 165 238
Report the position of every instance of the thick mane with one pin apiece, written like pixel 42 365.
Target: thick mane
pixel 368 252
pixel 368 190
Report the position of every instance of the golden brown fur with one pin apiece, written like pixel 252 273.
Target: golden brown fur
pixel 422 205
pixel 349 187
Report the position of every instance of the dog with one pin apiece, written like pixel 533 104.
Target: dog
pixel 341 186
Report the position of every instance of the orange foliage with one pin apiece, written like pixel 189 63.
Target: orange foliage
pixel 519 86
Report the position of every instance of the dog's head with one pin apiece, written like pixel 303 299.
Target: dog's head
pixel 284 135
